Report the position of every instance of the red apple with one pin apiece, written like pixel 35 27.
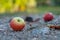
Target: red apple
pixel 48 16
pixel 17 24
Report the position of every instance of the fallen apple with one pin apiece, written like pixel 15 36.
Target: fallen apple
pixel 29 19
pixel 17 24
pixel 48 17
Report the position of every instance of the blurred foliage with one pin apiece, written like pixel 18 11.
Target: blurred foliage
pixel 57 2
pixel 40 0
pixel 53 2
pixel 18 5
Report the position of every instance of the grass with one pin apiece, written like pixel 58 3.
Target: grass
pixel 38 10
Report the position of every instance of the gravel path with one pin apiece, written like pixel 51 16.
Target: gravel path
pixel 40 31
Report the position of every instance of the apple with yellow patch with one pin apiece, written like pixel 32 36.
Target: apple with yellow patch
pixel 17 24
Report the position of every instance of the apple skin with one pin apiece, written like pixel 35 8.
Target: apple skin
pixel 48 17
pixel 17 24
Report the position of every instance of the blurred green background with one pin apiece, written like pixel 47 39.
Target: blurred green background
pixel 49 6
pixel 29 6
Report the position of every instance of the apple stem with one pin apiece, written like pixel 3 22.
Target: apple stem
pixel 18 20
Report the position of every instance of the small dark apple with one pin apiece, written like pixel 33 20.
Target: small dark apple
pixel 29 19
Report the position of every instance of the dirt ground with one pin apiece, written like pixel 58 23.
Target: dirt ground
pixel 39 30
